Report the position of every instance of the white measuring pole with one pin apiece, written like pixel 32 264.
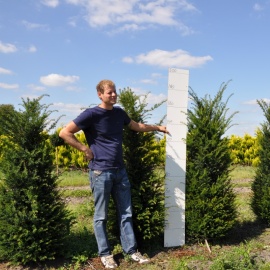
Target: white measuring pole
pixel 174 234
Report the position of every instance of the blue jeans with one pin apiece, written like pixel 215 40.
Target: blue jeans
pixel 103 184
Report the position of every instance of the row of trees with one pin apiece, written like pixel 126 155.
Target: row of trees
pixel 34 221
pixel 244 150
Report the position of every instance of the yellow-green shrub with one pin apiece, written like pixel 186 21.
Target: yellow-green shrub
pixel 244 150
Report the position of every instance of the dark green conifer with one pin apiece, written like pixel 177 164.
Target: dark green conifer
pixel 34 222
pixel 260 202
pixel 210 205
pixel 6 110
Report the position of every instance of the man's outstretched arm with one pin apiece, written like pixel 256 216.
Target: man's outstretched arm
pixel 140 127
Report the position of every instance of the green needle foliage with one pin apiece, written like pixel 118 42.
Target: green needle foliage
pixel 210 201
pixel 5 109
pixel 261 185
pixel 34 222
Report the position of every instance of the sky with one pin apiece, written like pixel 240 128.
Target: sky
pixel 63 48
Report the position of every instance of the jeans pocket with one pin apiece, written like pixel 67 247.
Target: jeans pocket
pixel 94 174
pixel 97 173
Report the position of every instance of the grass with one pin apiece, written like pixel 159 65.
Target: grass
pixel 76 193
pixel 73 179
pixel 242 172
pixel 242 177
pixel 245 213
pixel 246 247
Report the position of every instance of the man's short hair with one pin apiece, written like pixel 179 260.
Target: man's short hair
pixel 101 85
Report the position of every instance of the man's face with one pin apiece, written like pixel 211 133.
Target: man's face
pixel 109 96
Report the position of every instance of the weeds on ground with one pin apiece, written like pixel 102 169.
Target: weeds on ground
pixel 237 258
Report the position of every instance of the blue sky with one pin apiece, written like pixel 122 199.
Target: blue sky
pixel 63 48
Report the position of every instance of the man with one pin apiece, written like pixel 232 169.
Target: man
pixel 103 129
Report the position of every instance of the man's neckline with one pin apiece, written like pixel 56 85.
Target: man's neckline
pixel 105 108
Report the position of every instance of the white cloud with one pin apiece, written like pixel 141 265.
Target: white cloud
pixel 148 81
pixel 154 99
pixel 127 27
pixel 267 100
pixel 32 26
pixel 151 98
pixel 128 60
pixel 50 3
pixel 7 48
pixel 58 80
pixel 254 101
pixel 32 49
pixel 178 58
pixel 36 87
pixel 65 107
pixel 134 14
pixel 9 86
pixel 250 102
pixel 5 71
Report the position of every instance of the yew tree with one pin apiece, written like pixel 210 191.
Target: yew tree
pixel 210 200
pixel 34 221
pixel 261 185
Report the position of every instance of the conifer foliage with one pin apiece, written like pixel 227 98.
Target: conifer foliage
pixel 34 221
pixel 261 185
pixel 210 205
pixel 142 158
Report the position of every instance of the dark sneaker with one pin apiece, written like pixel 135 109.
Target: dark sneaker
pixel 109 262
pixel 138 257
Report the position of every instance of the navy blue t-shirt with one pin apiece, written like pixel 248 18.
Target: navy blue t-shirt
pixel 103 130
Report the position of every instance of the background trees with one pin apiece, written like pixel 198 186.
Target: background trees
pixel 34 222
pixel 244 150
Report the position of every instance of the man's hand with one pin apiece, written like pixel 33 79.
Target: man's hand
pixel 67 134
pixel 163 129
pixel 141 127
pixel 88 153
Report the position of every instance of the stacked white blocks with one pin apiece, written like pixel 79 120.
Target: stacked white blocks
pixel 177 103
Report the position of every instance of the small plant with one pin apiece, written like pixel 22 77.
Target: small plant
pixel 179 265
pixel 239 258
pixel 78 261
